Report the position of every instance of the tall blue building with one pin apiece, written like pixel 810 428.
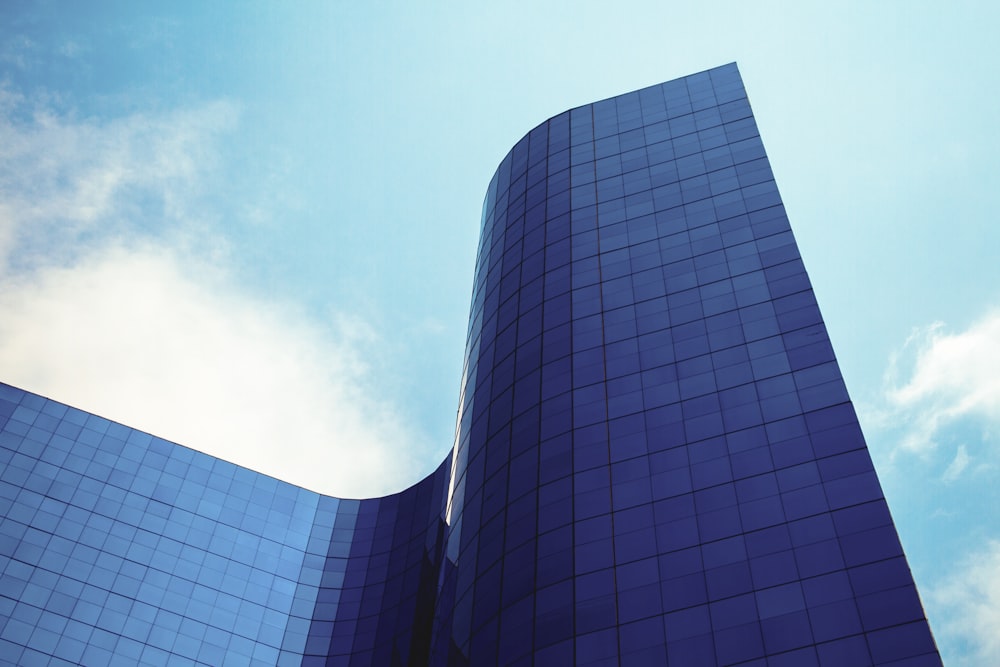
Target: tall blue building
pixel 656 461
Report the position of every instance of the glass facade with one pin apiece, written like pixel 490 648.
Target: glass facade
pixel 656 460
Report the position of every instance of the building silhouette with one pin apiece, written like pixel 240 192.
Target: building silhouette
pixel 656 461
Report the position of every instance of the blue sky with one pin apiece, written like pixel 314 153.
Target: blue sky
pixel 250 227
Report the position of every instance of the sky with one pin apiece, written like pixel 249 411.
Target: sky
pixel 250 227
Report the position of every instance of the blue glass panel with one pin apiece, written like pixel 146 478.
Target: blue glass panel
pixel 656 458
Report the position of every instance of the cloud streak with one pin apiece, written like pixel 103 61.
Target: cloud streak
pixel 968 604
pixel 116 296
pixel 940 381
pixel 68 183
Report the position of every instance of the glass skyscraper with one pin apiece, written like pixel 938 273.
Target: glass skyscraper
pixel 656 461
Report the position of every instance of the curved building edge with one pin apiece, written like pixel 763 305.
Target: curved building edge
pixel 655 458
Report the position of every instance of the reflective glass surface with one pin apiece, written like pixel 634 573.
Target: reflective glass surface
pixel 656 459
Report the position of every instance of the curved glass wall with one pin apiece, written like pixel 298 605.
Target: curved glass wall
pixel 656 460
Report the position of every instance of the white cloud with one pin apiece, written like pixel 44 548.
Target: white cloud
pixel 65 181
pixel 957 465
pixel 18 50
pixel 114 297
pixel 140 336
pixel 71 49
pixel 966 609
pixel 951 377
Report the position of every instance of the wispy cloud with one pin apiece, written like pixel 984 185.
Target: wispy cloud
pixel 939 409
pixel 967 604
pixel 957 465
pixel 941 383
pixel 18 51
pixel 67 182
pixel 116 296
